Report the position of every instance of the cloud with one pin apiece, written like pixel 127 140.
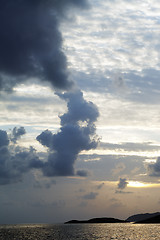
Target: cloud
pixel 100 186
pixel 106 165
pixel 4 141
pixel 122 192
pixel 79 109
pixel 120 167
pixel 77 133
pixel 130 146
pixel 17 133
pixel 13 165
pixel 31 46
pixel 82 173
pixel 31 43
pixel 15 161
pixel 154 168
pixel 119 82
pixel 122 183
pixel 44 184
pixel 90 196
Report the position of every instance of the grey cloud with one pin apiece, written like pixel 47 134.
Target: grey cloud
pixel 90 196
pixel 76 134
pixel 49 184
pixel 4 141
pixel 147 84
pixel 14 160
pixel 45 138
pixel 106 167
pixel 82 173
pixel 31 46
pixel 36 163
pixel 64 146
pixel 44 184
pixel 122 192
pixel 17 133
pixel 130 146
pixel 120 167
pixel 13 165
pixel 79 109
pixel 100 186
pixel 31 43
pixel 154 168
pixel 141 87
pixel 119 82
pixel 122 183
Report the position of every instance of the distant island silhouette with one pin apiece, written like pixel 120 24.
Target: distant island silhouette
pixel 138 218
pixel 142 217
pixel 97 220
pixel 155 219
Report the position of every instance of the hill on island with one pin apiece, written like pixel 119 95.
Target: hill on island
pixel 155 219
pixel 142 217
pixel 97 220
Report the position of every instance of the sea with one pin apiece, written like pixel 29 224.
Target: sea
pixel 104 231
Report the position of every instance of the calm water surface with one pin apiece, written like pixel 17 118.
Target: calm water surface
pixel 114 231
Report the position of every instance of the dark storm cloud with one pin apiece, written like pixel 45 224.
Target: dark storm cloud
pixel 31 46
pixel 14 160
pixel 79 109
pixel 13 165
pixel 122 183
pixel 76 134
pixel 4 141
pixel 17 133
pixel 154 168
pixel 82 173
pixel 45 138
pixel 31 43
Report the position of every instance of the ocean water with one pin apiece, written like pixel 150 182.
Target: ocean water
pixel 113 231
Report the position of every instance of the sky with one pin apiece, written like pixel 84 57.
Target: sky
pixel 79 101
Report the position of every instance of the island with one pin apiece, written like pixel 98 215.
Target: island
pixel 96 220
pixel 142 217
pixel 155 219
pixel 138 218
